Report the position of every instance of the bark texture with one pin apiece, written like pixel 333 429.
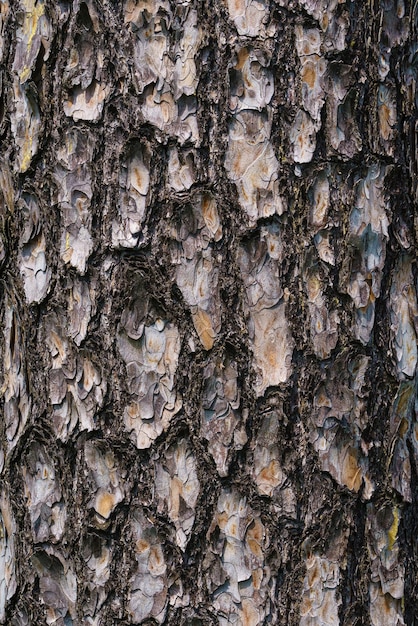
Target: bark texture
pixel 209 312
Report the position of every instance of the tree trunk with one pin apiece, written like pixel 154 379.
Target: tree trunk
pixel 209 312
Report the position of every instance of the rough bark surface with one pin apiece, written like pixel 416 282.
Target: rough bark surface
pixel 209 312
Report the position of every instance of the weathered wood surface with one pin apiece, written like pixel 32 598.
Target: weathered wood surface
pixel 209 312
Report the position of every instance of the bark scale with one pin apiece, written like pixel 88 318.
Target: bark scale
pixel 209 312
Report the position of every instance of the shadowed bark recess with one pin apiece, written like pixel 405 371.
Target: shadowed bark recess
pixel 209 318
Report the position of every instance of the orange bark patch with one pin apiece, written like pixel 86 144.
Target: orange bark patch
pixel 156 563
pixel 314 574
pixel 176 492
pixel 309 75
pixel 256 531
pixel 203 326
pixel 242 57
pixel 104 504
pixel 404 425
pixel 58 343
pixel 255 548
pixel 306 605
pixel 133 410
pixel 233 530
pixel 257 577
pixel 351 472
pixel 138 178
pixel 222 520
pixel 270 474
pixel 385 119
pixel 210 214
pixel 250 615
pixel 237 5
pixel 142 545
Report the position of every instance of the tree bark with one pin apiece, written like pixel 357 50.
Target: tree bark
pixel 209 312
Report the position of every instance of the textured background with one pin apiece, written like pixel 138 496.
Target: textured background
pixel 209 312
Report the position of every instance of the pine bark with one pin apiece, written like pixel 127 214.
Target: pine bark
pixel 209 312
